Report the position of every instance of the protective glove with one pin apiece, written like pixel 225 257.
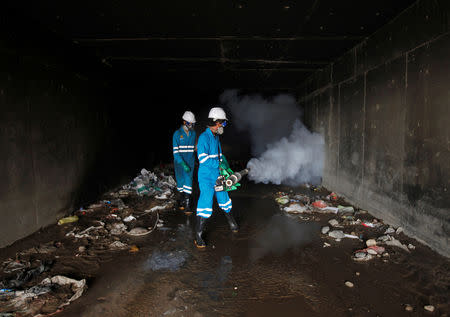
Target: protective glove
pixel 186 168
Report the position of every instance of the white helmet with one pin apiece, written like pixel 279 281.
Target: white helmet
pixel 217 113
pixel 189 117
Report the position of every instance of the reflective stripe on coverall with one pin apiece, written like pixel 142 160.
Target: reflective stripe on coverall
pixel 209 153
pixel 183 150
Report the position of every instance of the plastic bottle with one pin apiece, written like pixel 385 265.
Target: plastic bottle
pixel 68 220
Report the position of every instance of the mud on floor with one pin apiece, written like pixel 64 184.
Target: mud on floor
pixel 282 262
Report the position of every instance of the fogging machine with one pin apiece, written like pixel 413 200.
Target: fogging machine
pixel 229 180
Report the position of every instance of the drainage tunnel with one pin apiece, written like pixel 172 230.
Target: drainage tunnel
pixel 92 93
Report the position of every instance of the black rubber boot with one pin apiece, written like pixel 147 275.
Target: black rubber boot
pixel 233 225
pixel 199 226
pixel 187 204
pixel 181 201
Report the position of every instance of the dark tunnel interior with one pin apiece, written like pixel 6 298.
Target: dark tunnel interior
pixel 149 62
pixel 91 93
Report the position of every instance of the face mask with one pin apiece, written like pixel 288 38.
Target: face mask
pixel 220 130
pixel 189 126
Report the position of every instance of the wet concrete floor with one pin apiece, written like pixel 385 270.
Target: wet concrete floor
pixel 275 266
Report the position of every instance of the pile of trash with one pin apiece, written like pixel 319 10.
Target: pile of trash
pixel 49 296
pixel 149 184
pixel 37 281
pixel 347 222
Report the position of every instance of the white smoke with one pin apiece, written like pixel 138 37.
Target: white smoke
pixel 267 120
pixel 288 153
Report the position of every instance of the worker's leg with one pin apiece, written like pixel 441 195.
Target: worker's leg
pixel 224 201
pixel 179 176
pixel 204 210
pixel 205 201
pixel 226 205
pixel 180 182
pixel 187 190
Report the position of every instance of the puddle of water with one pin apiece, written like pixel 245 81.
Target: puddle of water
pixel 280 234
pixel 214 281
pixel 166 260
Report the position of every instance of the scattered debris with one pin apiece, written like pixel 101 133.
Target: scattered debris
pixel 369 224
pixel 329 209
pixel 332 196
pixel 156 208
pixel 395 243
pixel 139 231
pixel 351 236
pixel 85 233
pixel 429 308
pixel 10 266
pixel 41 249
pixel 77 287
pixel 348 209
pixel 319 204
pixel 95 231
pixel 68 220
pixel 333 222
pixel 362 255
pixel 371 242
pixel 112 223
pixel 349 284
pixel 134 249
pixel 368 253
pixel 325 230
pixel 282 200
pixel 25 276
pixel 360 221
pixel 337 234
pixel 375 249
pixel 148 184
pixel 295 208
pixel 129 218
pixel 56 292
pixel 117 228
pixel 117 245
pixel 383 238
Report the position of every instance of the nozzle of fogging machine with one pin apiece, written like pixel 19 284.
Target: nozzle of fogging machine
pixel 244 172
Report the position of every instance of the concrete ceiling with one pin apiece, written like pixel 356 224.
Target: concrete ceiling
pixel 255 44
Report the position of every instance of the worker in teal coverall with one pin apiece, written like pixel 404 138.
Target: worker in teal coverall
pixel 210 160
pixel 184 159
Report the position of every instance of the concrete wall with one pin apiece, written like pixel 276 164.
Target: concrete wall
pixel 69 128
pixel 53 128
pixel 384 109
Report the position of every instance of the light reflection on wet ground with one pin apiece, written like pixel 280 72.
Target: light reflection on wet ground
pixel 275 266
pixel 232 272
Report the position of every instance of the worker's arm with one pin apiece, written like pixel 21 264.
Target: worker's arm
pixel 204 157
pixel 196 148
pixel 176 153
pixel 176 150
pixel 196 142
